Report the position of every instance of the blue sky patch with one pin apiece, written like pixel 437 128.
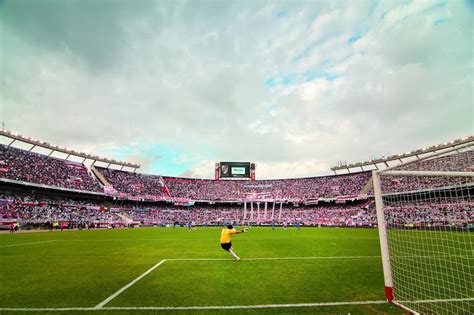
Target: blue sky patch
pixel 288 79
pixel 281 14
pixel 166 160
pixel 354 38
pixel 270 83
pixel 439 21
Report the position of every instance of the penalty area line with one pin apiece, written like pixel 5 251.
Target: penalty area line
pixel 113 296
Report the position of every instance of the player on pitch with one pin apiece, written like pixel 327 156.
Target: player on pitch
pixel 226 244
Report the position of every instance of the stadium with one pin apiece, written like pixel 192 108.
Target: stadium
pixel 136 179
pixel 428 213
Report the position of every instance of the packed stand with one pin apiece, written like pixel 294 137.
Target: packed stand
pixel 298 189
pixel 204 189
pixel 37 168
pixel 29 210
pixel 135 184
pixel 36 211
pixel 458 162
pixel 432 214
pixel 325 215
pixel 322 215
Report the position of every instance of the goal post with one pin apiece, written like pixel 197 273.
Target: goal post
pixel 425 223
pixel 382 227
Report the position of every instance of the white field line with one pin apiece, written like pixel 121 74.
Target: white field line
pixel 21 244
pixel 236 307
pixel 302 258
pixel 110 298
pixel 217 307
pixel 214 239
pixel 178 308
pixel 275 258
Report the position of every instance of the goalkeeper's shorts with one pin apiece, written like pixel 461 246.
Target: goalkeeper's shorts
pixel 226 246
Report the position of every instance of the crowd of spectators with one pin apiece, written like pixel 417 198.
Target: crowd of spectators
pixel 459 162
pixel 299 189
pixel 136 184
pixel 204 189
pixel 34 210
pixel 418 183
pixel 325 215
pixel 456 162
pixel 431 213
pixel 32 167
pixel 37 168
pixel 29 209
pixel 436 210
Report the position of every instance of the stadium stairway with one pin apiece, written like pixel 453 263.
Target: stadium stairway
pixel 100 177
pixel 367 188
pixel 125 218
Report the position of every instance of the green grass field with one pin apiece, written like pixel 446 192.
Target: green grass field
pixel 81 269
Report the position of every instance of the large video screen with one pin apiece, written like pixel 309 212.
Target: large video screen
pixel 234 170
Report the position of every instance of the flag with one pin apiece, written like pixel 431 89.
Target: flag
pixel 166 191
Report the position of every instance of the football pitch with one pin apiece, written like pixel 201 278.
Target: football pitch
pixel 166 270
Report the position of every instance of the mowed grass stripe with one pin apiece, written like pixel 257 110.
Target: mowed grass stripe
pixel 30 243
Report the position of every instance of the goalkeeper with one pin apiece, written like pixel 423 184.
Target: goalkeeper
pixel 226 244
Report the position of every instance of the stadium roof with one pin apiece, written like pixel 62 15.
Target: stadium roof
pixel 54 148
pixel 452 145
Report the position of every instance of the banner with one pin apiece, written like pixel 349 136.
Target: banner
pixel 75 165
pixel 32 204
pixel 185 204
pixel 109 190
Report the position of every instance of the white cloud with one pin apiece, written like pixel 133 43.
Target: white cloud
pixel 194 75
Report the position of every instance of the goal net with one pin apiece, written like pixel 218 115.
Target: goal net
pixel 425 222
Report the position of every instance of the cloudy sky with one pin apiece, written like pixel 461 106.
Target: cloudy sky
pixel 294 86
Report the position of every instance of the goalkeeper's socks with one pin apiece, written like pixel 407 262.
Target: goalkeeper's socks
pixel 234 255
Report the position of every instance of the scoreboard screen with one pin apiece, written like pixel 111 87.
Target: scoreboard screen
pixel 234 169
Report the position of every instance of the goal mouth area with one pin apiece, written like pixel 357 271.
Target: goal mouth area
pixel 425 221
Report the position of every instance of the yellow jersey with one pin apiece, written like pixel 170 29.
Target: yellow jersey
pixel 225 235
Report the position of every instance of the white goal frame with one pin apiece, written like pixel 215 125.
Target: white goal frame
pixel 382 223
